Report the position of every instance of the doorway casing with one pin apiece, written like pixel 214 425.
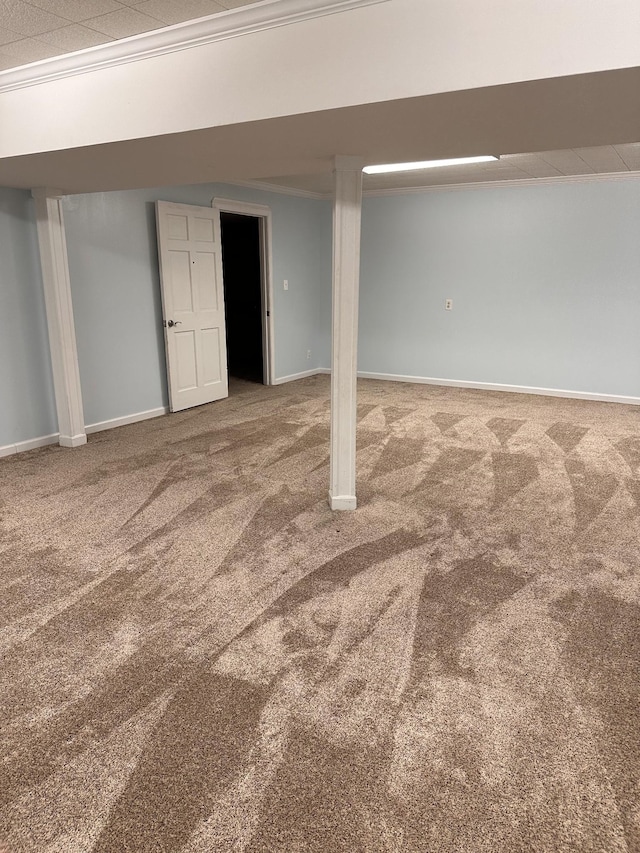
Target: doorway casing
pixel 263 213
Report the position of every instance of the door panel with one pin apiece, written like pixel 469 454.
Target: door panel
pixel 180 272
pixel 210 340
pixel 185 350
pixel 204 273
pixel 203 230
pixel 177 227
pixel 190 255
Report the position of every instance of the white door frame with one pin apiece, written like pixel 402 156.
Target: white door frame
pixel 263 213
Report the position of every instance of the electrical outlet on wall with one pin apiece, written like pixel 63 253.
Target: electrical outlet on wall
pixel 448 304
pixel 285 284
pixel 308 354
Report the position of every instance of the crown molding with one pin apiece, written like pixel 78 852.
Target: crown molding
pixel 280 189
pixel 474 185
pixel 236 22
pixel 518 182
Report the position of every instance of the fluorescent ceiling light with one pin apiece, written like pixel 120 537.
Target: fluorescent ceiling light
pixel 426 164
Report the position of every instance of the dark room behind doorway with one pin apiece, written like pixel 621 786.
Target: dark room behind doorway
pixel 242 270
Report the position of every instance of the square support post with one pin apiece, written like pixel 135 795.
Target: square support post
pixel 347 210
pixel 59 308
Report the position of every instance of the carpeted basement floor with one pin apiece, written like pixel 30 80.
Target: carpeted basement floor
pixel 199 656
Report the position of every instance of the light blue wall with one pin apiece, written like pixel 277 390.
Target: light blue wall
pixel 113 265
pixel 545 283
pixel 324 347
pixel 27 408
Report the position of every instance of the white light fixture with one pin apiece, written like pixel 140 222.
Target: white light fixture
pixel 426 164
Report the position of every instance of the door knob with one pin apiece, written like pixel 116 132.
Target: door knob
pixel 174 323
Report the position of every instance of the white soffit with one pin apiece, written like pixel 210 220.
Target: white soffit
pixel 234 22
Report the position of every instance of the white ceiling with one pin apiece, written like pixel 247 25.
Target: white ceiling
pixel 38 29
pixel 597 112
pixel 600 160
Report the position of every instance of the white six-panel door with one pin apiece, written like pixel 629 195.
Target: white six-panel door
pixel 190 254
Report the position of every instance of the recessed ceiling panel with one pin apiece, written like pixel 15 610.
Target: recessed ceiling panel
pixel 39 29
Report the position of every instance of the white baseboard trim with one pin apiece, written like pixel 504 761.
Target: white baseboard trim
pixel 514 389
pixel 126 419
pixel 343 503
pixel 72 440
pixel 44 440
pixel 78 440
pixel 30 444
pixel 293 376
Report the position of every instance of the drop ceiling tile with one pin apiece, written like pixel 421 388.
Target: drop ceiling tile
pixel 20 17
pixel 125 22
pixel 532 165
pixel 235 4
pixel 73 37
pixel 462 173
pixel 6 62
pixel 509 173
pixel 495 166
pixel 512 168
pixel 441 180
pixel 27 50
pixel 602 159
pixel 434 177
pixel 6 36
pixel 176 11
pixel 567 162
pixel 630 154
pixel 78 10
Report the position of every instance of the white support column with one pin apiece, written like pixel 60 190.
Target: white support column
pixel 62 334
pixel 347 208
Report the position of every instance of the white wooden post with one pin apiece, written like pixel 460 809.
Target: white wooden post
pixel 62 334
pixel 347 209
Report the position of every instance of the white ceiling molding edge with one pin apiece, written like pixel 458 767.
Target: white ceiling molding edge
pixel 278 188
pixel 282 189
pixel 224 25
pixel 515 182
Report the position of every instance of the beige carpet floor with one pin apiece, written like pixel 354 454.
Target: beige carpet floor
pixel 197 655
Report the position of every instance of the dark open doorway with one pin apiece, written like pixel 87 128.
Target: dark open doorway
pixel 242 272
